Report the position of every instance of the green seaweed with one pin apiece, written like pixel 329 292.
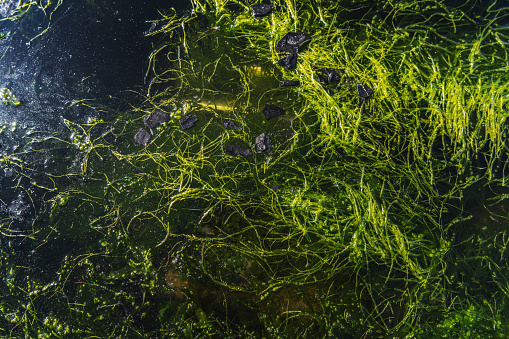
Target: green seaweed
pixel 363 221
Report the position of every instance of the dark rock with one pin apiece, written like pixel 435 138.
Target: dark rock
pixel 364 91
pixel 229 123
pixel 142 137
pixel 331 74
pixel 260 10
pixel 262 143
pixel 291 42
pixel 289 62
pixel 188 121
pixel 361 101
pixel 156 118
pixel 274 187
pixel 287 83
pixel 322 79
pixel 237 151
pixel 272 111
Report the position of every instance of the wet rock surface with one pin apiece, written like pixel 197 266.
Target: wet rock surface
pixel 156 118
pixel 330 75
pixel 230 124
pixel 289 62
pixel 260 10
pixel 272 111
pixel 237 151
pixel 287 83
pixel 292 42
pixel 142 137
pixel 363 91
pixel 18 207
pixel 262 143
pixel 188 121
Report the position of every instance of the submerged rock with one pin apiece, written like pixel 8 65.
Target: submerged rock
pixel 364 91
pixel 330 75
pixel 287 83
pixel 260 10
pixel 188 121
pixel 237 151
pixel 291 42
pixel 229 123
pixel 142 137
pixel 262 143
pixel 289 62
pixel 156 118
pixel 272 111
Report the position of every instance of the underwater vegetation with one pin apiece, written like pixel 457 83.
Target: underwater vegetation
pixel 355 189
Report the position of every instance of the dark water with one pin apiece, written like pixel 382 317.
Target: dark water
pixel 93 50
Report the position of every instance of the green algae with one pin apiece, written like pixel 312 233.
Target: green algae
pixel 358 221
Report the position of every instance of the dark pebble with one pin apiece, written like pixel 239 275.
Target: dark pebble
pixel 289 62
pixel 331 74
pixel 287 83
pixel 364 91
pixel 156 118
pixel 260 10
pixel 142 137
pixel 262 143
pixel 291 42
pixel 229 123
pixel 274 187
pixel 237 151
pixel 272 111
pixel 188 121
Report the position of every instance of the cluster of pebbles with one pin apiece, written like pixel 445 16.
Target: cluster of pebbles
pixel 287 47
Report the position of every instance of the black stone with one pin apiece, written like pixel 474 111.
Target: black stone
pixel 361 101
pixel 229 123
pixel 364 91
pixel 260 10
pixel 287 83
pixel 156 118
pixel 142 137
pixel 289 62
pixel 188 121
pixel 291 42
pixel 322 79
pixel 272 111
pixel 262 143
pixel 274 187
pixel 237 151
pixel 331 74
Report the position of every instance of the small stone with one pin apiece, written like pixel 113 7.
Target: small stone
pixel 289 62
pixel 291 42
pixel 332 75
pixel 361 101
pixel 156 118
pixel 272 111
pixel 364 91
pixel 260 10
pixel 287 83
pixel 188 121
pixel 274 187
pixel 262 143
pixel 229 123
pixel 237 151
pixel 142 137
